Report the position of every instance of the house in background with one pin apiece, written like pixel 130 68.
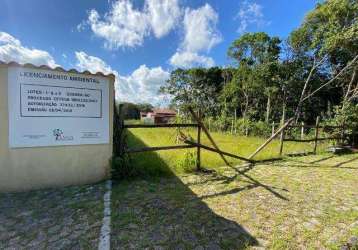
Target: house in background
pixel 158 116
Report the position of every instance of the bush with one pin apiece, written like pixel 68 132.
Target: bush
pixel 121 167
pixel 188 162
pixel 260 128
pixel 347 115
pixel 242 125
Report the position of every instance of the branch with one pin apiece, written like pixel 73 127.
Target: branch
pixel 314 67
pixel 334 78
pixel 354 95
pixel 350 84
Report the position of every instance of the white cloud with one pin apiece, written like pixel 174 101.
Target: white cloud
pixel 200 36
pixel 143 85
pixel 140 86
pixel 125 26
pixel 190 59
pixel 11 49
pixel 81 26
pixel 92 64
pixel 163 15
pixel 200 29
pixel 250 13
pixel 6 38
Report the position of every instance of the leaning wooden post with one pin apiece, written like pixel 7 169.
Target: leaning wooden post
pixel 271 138
pixel 207 134
pixel 302 130
pixel 282 138
pixel 316 135
pixel 282 135
pixel 198 167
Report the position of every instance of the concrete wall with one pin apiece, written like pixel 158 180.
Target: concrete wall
pixel 40 167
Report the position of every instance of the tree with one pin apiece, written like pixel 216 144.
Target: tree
pixel 255 48
pixel 257 57
pixel 145 107
pixel 128 110
pixel 197 87
pixel 331 31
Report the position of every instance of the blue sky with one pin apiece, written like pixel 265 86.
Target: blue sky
pixel 140 41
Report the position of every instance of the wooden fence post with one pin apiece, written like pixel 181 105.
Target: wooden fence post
pixel 273 128
pixel 302 130
pixel 198 120
pixel 316 135
pixel 282 137
pixel 198 167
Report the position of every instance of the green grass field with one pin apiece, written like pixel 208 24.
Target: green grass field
pixel 178 160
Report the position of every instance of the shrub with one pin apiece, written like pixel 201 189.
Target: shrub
pixel 188 162
pixel 121 167
pixel 260 128
pixel 347 115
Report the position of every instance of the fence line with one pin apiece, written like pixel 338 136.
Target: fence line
pixel 169 125
pixel 188 143
pixel 316 139
pixel 171 147
pixel 200 126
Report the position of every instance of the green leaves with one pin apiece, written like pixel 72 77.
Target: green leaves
pixel 255 48
pixel 197 87
pixel 331 28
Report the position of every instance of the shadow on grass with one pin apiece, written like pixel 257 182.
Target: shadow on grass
pixel 253 183
pixel 323 159
pixel 318 163
pixel 157 210
pixel 340 164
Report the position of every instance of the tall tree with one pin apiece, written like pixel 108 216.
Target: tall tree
pixel 331 31
pixel 197 87
pixel 256 56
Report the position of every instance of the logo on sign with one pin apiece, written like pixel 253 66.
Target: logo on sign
pixel 59 136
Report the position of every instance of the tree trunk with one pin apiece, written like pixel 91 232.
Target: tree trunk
pixel 268 108
pixel 346 96
pixel 246 106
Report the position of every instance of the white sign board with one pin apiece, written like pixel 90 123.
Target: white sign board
pixel 51 108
